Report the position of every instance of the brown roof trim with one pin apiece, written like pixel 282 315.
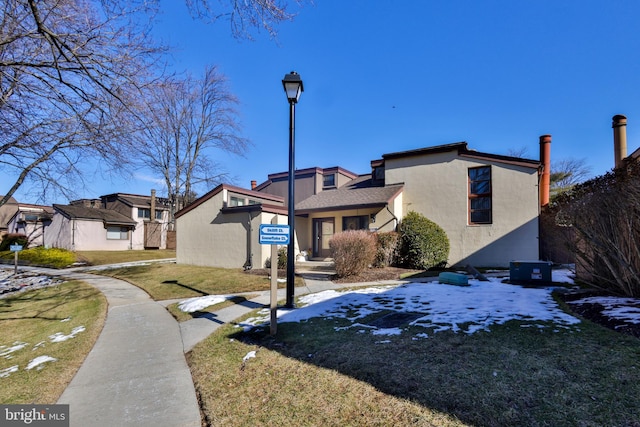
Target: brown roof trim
pixel 516 161
pixel 312 170
pixel 228 187
pixel 463 151
pixel 280 210
pixel 341 208
pixel 427 150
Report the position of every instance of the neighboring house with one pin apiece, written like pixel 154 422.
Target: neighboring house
pixel 487 204
pixel 116 221
pixel 32 221
pixel 221 228
pixel 7 211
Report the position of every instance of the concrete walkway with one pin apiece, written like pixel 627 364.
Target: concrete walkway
pixel 136 374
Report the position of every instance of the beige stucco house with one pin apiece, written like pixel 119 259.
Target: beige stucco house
pixel 221 228
pixel 488 205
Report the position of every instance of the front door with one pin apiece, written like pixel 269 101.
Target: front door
pixel 323 229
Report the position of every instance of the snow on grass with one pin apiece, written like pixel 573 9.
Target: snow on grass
pixel 625 309
pixel 198 303
pixel 437 306
pixel 39 361
pixel 6 351
pixel 4 373
pixel 60 337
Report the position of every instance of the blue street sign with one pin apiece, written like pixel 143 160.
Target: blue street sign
pixel 15 248
pixel 274 234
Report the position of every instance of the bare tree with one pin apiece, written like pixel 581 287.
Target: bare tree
pixel 566 173
pixel 71 72
pixel 190 121
pixel 67 71
pixel 244 16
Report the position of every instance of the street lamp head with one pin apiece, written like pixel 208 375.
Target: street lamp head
pixel 293 86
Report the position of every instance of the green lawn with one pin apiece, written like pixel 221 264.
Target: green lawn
pixel 312 374
pixel 27 322
pixel 115 257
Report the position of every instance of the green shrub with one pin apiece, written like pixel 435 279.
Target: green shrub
pixel 13 239
pixel 52 257
pixel 386 249
pixel 282 259
pixel 423 244
pixel 352 251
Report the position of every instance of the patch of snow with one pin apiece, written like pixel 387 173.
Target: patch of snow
pixel 60 337
pixel 625 309
pixel 198 303
pixel 249 355
pixel 6 351
pixel 443 307
pixel 38 361
pixel 4 373
pixel 563 276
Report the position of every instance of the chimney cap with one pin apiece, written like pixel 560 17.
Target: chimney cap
pixel 619 120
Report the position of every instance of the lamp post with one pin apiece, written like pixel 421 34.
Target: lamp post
pixel 293 88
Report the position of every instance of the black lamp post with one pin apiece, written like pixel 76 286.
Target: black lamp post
pixel 293 87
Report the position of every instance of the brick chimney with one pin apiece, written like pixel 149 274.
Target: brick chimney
pixel 254 184
pixel 619 139
pixel 153 206
pixel 545 159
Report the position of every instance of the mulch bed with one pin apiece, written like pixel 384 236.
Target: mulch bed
pixel 594 312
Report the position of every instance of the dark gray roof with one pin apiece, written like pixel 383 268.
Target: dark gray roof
pixel 139 200
pixel 105 215
pixel 358 193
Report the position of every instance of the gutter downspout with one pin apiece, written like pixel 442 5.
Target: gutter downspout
pixel 248 265
pixel 394 218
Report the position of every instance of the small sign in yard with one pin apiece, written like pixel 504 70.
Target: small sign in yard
pixel 15 249
pixel 274 234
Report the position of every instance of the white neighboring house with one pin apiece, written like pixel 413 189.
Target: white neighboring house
pixel 32 221
pixel 116 221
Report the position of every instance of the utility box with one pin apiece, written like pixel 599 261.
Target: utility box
pixel 530 271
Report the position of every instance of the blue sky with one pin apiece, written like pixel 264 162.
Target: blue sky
pixel 383 76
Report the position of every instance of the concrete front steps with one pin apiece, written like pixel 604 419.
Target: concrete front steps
pixel 318 269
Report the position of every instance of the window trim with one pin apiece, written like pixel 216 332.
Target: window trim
pixel 333 179
pixel 475 196
pixel 123 231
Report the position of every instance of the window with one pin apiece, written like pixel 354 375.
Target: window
pixel 480 195
pixel 355 222
pixel 146 213
pixel 328 181
pixel 117 233
pixel 236 201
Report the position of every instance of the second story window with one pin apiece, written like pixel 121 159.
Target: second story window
pixel 145 213
pixel 236 201
pixel 480 202
pixel 328 181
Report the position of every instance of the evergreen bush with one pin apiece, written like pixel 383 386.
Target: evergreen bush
pixel 13 239
pixel 423 243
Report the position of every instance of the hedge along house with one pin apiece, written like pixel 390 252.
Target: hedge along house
pixel 487 204
pixel 221 228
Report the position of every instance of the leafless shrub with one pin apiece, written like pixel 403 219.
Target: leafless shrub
pixel 352 251
pixel 604 214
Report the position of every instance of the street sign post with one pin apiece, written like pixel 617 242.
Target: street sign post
pixel 15 249
pixel 274 235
